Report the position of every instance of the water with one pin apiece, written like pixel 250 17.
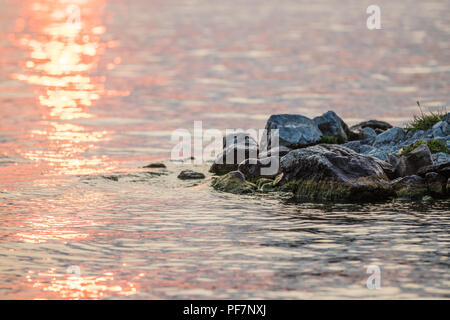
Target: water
pixel 82 109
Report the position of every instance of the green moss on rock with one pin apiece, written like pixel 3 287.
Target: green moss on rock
pixel 231 183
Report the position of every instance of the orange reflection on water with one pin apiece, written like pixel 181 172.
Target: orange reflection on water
pixel 62 53
pixel 69 286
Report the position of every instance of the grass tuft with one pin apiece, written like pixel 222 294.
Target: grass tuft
pixel 424 121
pixel 434 145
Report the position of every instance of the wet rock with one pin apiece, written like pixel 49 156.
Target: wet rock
pixel 333 172
pixel 155 165
pixel 394 135
pixel 189 174
pixel 436 182
pixel 230 158
pixel 413 161
pixel 330 124
pixel 295 131
pixel 255 168
pixel 409 187
pixel 233 182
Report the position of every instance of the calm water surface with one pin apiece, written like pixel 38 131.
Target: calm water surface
pixel 84 106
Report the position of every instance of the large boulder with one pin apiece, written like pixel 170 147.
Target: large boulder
pixel 333 172
pixel 410 163
pixel 331 125
pixel 295 131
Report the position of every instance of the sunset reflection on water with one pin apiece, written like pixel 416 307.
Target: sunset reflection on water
pixel 62 53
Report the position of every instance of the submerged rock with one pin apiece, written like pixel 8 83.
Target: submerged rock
pixel 413 161
pixel 332 172
pixel 155 165
pixel 331 125
pixel 295 131
pixel 233 182
pixel 189 174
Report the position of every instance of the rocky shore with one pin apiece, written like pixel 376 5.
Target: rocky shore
pixel 323 159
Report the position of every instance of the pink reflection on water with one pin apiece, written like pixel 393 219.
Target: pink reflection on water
pixel 61 55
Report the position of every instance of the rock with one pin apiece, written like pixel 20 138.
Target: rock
pixel 189 174
pixel 239 138
pixel 155 165
pixel 392 135
pixel 279 151
pixel 333 172
pixel 368 135
pixel 365 149
pixel 233 182
pixel 448 185
pixel 447 118
pixel 331 125
pixel 409 187
pixel 384 152
pixel 413 161
pixel 230 158
pixel 441 168
pixel 388 168
pixel 295 131
pixel 441 129
pixel 255 168
pixel 354 145
pixel 427 198
pixel 262 181
pixel 440 157
pixel 436 182
pixel 376 125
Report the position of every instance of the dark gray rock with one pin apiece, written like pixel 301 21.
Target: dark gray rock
pixel 265 167
pixel 189 175
pixel 330 124
pixel 155 165
pixel 409 187
pixel 333 172
pixel 436 182
pixel 441 168
pixel 295 131
pixel 410 163
pixel 230 158
pixel 376 125
pixel 394 135
pixel 278 151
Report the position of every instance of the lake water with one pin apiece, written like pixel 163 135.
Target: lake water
pixel 84 104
